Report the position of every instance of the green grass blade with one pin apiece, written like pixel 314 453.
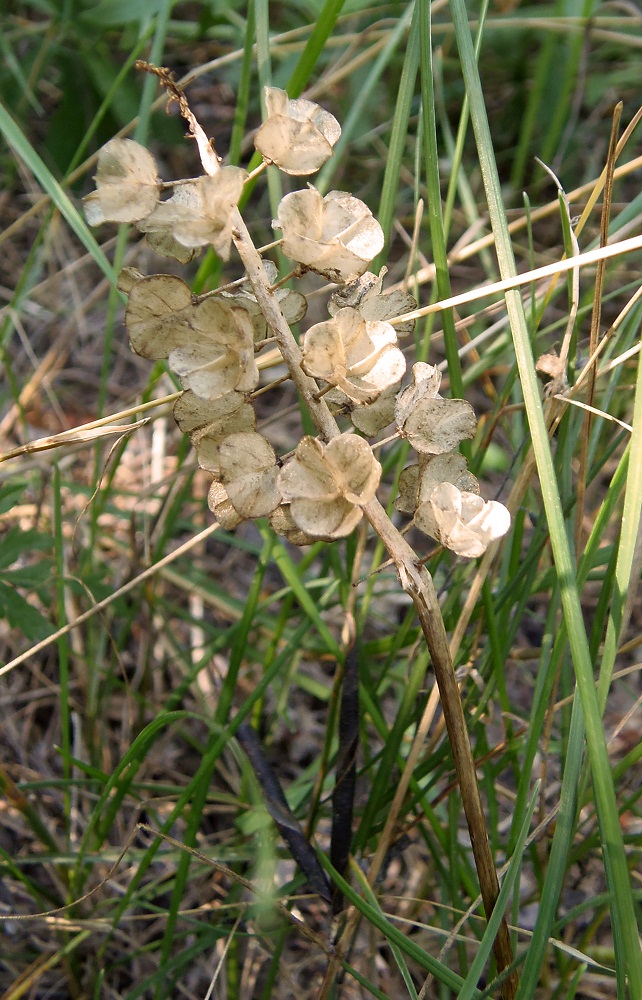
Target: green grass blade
pixel 568 63
pixel 396 951
pixel 264 70
pixel 263 56
pixel 115 789
pixel 106 103
pixel 398 137
pixel 627 549
pixel 63 649
pixel 238 650
pixel 409 947
pixel 243 93
pixel 383 780
pixel 438 238
pixel 308 603
pixel 209 759
pixel 203 779
pixel 351 123
pixel 627 942
pixel 17 140
pixel 150 84
pixel 535 103
pixel 565 823
pixel 324 26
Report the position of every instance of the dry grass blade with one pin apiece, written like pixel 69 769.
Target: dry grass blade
pixel 78 436
pixel 101 605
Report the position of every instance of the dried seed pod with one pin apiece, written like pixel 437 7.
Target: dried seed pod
pixel 431 424
pixel 357 356
pixel 200 212
pixel 327 485
pixel 461 521
pixel 297 135
pixel 336 236
pixel 127 184
pixel 249 473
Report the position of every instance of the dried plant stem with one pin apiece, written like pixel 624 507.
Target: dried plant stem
pixel 417 583
pixel 309 390
pixel 415 579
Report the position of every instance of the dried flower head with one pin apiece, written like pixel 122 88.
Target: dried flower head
pixel 249 473
pixel 357 356
pixel 292 304
pixel 281 521
pixel 433 425
pixel 164 244
pixel 221 359
pixel 219 503
pixel 369 418
pixel 208 343
pixel 335 236
pixel 200 212
pixel 127 184
pixel 367 296
pixel 297 135
pixel 462 521
pixel 197 416
pixel 209 421
pixel 417 482
pixel 327 485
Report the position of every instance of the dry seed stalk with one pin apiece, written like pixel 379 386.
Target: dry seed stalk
pixel 329 483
